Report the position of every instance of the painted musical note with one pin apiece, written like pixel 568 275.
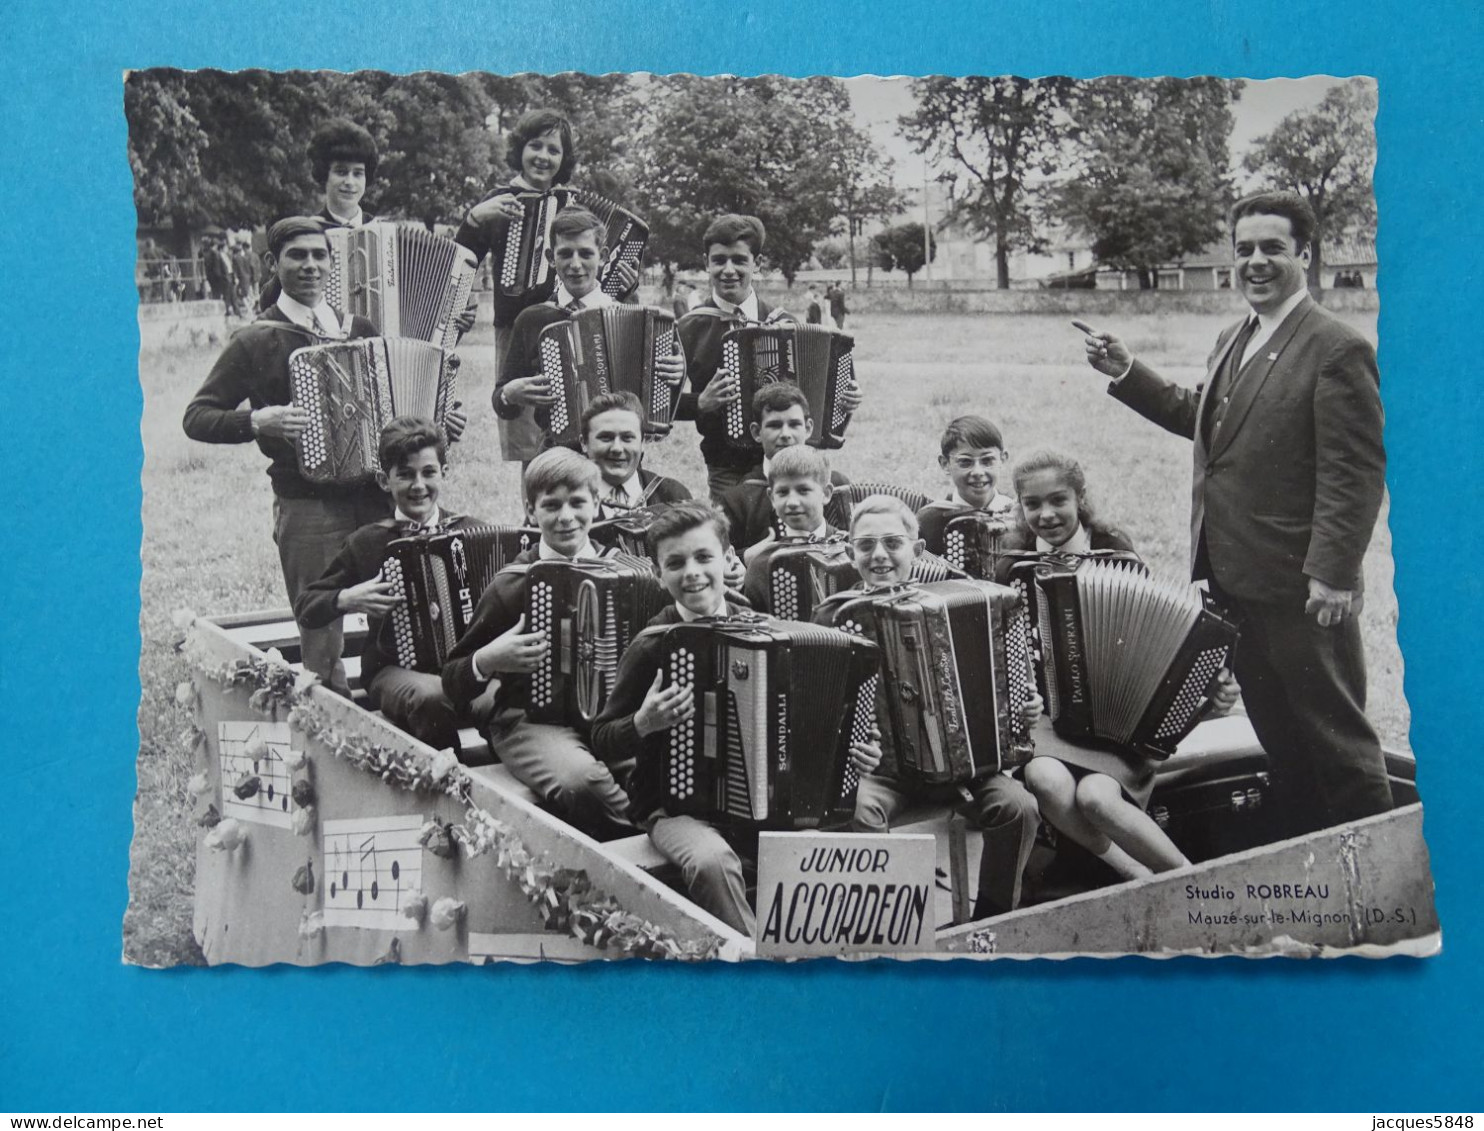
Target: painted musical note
pixel 371 866
pixel 256 781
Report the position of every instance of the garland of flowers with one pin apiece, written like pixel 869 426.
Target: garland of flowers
pixel 565 897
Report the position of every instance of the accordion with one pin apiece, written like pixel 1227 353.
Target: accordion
pixel 1127 658
pixel 802 573
pixel 819 361
pixel 778 706
pixel 407 281
pixel 628 532
pixel 352 389
pixel 520 263
pixel 439 579
pixel 846 495
pixel 973 542
pixel 590 610
pixel 610 349
pixel 956 675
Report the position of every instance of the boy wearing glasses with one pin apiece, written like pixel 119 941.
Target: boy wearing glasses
pixel 884 542
pixel 974 456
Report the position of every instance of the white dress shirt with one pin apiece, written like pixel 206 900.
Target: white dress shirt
pixel 1267 326
pixel 747 307
pixel 1078 543
pixel 320 320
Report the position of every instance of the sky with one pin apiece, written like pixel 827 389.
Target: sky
pixel 879 102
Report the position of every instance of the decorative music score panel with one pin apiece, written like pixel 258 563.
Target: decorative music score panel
pixel 248 750
pixel 371 866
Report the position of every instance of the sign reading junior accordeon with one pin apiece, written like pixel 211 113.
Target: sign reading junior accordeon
pixel 823 894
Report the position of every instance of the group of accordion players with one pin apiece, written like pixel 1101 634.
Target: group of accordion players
pixel 800 652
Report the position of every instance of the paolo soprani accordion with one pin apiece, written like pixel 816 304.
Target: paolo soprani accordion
pixel 956 674
pixel 974 540
pixel 590 610
pixel 778 706
pixel 520 262
pixel 1127 658
pixel 407 281
pixel 352 389
pixel 610 349
pixel 817 360
pixel 439 579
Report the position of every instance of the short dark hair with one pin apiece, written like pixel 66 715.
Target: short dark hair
pixel 733 228
pixel 534 123
pixel 1290 205
pixel 290 228
pixel 970 432
pixel 340 139
pixel 572 223
pixel 560 467
pixel 405 436
pixel 612 402
pixel 682 518
pixel 778 396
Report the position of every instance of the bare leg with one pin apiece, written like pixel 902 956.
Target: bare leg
pixel 1058 794
pixel 1101 802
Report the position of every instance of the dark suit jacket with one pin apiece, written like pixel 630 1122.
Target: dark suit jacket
pixel 1292 483
pixel 700 333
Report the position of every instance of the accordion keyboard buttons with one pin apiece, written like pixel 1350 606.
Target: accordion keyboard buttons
pixel 541 615
pixel 683 739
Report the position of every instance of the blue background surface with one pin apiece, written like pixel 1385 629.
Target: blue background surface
pixel 79 1031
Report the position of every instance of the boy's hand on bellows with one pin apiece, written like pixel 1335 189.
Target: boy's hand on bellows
pixel 514 651
pixel 671 370
pixel 279 422
pixel 372 597
pixel 501 204
pixel 1222 692
pixel 1105 352
pixel 664 707
pixel 719 392
pixel 534 392
pixel 866 756
pixel 1032 710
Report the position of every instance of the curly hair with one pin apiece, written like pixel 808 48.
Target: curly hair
pixel 342 140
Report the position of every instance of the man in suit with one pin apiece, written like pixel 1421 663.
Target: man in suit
pixel 1289 475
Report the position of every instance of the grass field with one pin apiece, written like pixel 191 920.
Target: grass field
pixel 207 543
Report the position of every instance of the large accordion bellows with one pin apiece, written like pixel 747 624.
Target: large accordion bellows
pixel 407 281
pixel 439 579
pixel 519 260
pixel 1127 657
pixel 350 391
pixel 778 706
pixel 590 610
pixel 610 349
pixel 818 360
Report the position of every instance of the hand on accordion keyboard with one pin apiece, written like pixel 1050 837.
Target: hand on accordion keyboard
pixel 721 391
pixel 532 391
pixel 851 398
pixel 1032 709
pixel 279 422
pixel 455 421
pixel 866 756
pixel 502 205
pixel 515 651
pixel 627 276
pixel 464 319
pixel 373 598
pixel 1222 692
pixel 665 707
pixel 671 370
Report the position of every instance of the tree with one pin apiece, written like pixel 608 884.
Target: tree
pixel 901 249
pixel 865 190
pixel 1327 155
pixel 997 137
pixel 765 147
pixel 1149 176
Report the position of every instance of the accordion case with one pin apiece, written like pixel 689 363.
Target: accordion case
pixel 973 542
pixel 520 263
pixel 590 610
pixel 1127 658
pixel 440 578
pixel 350 390
pixel 956 674
pixel 610 349
pixel 759 752
pixel 407 281
pixel 818 360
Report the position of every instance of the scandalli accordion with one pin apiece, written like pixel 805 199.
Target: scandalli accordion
pixel 440 578
pixel 778 706
pixel 973 542
pixel 590 610
pixel 407 281
pixel 352 389
pixel 610 349
pixel 1127 658
pixel 520 263
pixel 819 361
pixel 956 673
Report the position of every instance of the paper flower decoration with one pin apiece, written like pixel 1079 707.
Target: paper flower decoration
pixel 447 912
pixel 393 955
pixel 441 764
pixel 209 819
pixel 304 878
pixel 227 835
pixel 304 681
pixel 185 693
pixel 183 618
pixel 303 820
pixel 255 748
pixel 295 760
pixel 200 784
pixel 275 657
pixel 312 924
pixel 247 786
pixel 415 907
pixel 303 793
pixel 437 838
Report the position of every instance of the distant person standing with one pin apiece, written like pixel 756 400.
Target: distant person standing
pixel 838 311
pixel 814 311
pixel 684 292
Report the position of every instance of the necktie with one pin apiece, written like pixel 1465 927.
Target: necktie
pixel 574 306
pixel 1226 380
